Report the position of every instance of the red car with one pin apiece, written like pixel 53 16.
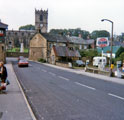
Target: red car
pixel 23 63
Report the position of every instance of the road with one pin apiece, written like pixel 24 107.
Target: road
pixel 60 95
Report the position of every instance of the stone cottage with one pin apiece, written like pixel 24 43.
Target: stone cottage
pixel 63 54
pixel 38 48
pixel 41 45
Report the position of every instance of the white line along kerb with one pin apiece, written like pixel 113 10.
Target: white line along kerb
pixel 85 86
pixel 116 96
pixel 44 70
pixel 52 73
pixel 63 78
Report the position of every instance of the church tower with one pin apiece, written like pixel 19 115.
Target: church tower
pixel 41 20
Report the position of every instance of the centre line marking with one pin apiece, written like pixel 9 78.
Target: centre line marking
pixel 52 73
pixel 116 96
pixel 63 78
pixel 85 86
pixel 30 65
pixel 44 70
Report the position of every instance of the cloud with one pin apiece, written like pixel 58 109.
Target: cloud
pixel 85 14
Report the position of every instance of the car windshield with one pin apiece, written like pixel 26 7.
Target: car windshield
pixel 23 60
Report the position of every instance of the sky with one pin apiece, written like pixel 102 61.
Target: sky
pixel 84 14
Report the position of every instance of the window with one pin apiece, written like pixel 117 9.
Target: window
pixel 41 17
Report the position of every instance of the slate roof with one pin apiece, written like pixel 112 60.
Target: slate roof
pixel 3 26
pixel 78 40
pixel 63 51
pixel 117 43
pixel 55 38
pixel 65 39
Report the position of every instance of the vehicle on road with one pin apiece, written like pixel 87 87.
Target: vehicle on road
pixel 23 63
pixel 98 60
pixel 20 58
pixel 79 63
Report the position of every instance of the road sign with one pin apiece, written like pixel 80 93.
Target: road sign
pixel 102 42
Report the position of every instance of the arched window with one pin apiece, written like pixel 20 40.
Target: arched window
pixel 41 17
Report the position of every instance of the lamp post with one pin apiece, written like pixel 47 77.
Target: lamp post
pixel 111 43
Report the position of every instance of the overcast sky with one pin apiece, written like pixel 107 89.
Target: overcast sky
pixel 84 14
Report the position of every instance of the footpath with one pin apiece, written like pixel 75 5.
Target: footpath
pixel 82 72
pixel 13 104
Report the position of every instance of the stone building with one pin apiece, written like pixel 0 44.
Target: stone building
pixel 16 37
pixel 41 20
pixel 38 48
pixel 3 28
pixel 63 54
pixel 42 43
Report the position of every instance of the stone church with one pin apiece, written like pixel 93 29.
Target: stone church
pixel 15 37
pixel 42 43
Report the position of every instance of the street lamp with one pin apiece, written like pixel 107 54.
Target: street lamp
pixel 111 43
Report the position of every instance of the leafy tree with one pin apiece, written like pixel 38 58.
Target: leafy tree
pixel 122 56
pixel 71 32
pixel 88 53
pixel 99 33
pixel 120 50
pixel 27 27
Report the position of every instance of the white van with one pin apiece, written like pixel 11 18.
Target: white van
pixel 98 60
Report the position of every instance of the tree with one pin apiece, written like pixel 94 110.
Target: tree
pixel 88 53
pixel 120 50
pixel 99 33
pixel 27 27
pixel 71 32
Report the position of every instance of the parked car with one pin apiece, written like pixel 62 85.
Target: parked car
pixel 23 63
pixel 20 58
pixel 80 63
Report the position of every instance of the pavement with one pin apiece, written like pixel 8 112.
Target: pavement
pixel 13 104
pixel 63 94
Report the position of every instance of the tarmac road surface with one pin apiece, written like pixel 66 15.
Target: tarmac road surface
pixel 61 95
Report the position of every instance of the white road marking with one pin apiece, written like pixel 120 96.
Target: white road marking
pixel 85 86
pixel 63 78
pixel 44 70
pixel 116 96
pixel 30 65
pixel 52 73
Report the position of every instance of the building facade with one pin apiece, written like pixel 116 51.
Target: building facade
pixel 41 20
pixel 3 28
pixel 41 45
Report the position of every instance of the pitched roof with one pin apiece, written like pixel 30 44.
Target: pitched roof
pixel 78 40
pixel 63 51
pixel 55 38
pixel 65 39
pixel 4 26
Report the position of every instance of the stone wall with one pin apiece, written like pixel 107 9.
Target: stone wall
pixel 2 53
pixel 15 37
pixel 38 48
pixel 16 54
pixel 62 64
